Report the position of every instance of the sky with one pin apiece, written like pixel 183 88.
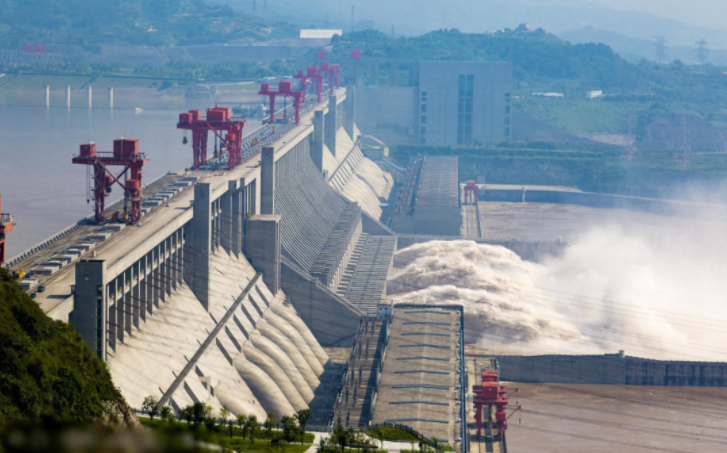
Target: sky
pixel 700 13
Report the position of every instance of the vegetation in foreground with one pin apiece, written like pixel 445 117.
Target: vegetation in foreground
pixel 392 433
pixel 47 371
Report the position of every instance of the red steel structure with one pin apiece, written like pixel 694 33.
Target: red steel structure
pixel 285 89
pixel 6 225
pixel 314 75
pixel 218 119
pixel 334 72
pixel 303 82
pixel 126 154
pixel 471 192
pixel 489 394
pixel 355 57
pixel 29 48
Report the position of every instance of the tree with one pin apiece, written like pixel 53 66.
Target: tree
pixel 150 406
pixel 381 439
pixel 270 422
pixel 210 423
pixel 241 423
pixel 200 411
pixel 225 416
pixel 252 426
pixel 303 417
pixel 290 430
pixel 341 436
pixel 187 414
pixel 167 414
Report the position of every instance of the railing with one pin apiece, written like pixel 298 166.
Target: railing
pixel 85 221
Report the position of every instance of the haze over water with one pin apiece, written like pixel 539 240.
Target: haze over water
pixel 40 186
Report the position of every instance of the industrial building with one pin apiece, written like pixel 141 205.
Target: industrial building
pixel 441 103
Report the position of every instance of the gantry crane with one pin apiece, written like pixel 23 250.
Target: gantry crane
pixel 471 192
pixel 489 394
pixel 334 72
pixel 125 154
pixel 218 119
pixel 285 89
pixel 6 225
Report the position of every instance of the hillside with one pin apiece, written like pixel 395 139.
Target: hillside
pixel 129 22
pixel 46 369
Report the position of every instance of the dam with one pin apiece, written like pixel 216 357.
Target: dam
pixel 235 281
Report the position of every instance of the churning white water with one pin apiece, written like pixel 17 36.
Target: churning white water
pixel 658 292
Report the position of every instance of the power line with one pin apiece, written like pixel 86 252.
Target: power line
pixel 660 49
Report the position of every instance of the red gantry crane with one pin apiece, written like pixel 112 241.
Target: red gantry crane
pixel 471 192
pixel 126 154
pixel 218 119
pixel 285 89
pixel 489 394
pixel 334 72
pixel 6 225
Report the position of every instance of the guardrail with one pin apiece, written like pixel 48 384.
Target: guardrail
pixel 70 229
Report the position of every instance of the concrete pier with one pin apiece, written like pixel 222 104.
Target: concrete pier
pixel 318 139
pixel 47 95
pixel 68 96
pixel 90 96
pixel 89 315
pixel 262 248
pixel 331 125
pixel 111 97
pixel 201 242
pixel 350 112
pixel 267 181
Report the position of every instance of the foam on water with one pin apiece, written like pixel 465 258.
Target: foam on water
pixel 656 292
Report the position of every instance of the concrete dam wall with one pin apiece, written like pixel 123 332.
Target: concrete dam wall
pixel 611 369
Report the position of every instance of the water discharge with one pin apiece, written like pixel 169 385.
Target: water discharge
pixel 655 292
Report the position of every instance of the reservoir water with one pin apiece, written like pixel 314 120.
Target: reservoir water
pixel 40 186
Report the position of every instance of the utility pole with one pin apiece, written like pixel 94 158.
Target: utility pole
pixel 353 18
pixel 702 52
pixel 660 48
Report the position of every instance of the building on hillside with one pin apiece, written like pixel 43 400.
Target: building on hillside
pixel 437 102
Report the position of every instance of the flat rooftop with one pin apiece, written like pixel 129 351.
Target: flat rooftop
pixel 419 384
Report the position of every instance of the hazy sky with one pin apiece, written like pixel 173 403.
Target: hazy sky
pixel 704 13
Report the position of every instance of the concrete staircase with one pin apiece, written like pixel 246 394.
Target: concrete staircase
pixel 348 274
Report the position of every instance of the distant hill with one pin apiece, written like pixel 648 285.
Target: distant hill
pixel 47 371
pixel 130 22
pixel 635 49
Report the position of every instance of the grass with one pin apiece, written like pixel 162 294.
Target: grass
pixel 581 116
pixel 392 433
pixel 220 435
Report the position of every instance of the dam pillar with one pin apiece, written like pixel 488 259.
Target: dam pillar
pixel 350 114
pixel 111 97
pixel 90 96
pixel 331 124
pixel 235 188
pixel 225 218
pixel 318 139
pixel 47 95
pixel 267 181
pixel 90 305
pixel 68 96
pixel 262 248
pixel 201 242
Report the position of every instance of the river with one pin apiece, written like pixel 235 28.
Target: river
pixel 42 189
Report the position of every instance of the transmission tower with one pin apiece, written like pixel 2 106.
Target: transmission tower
pixel 353 18
pixel 660 48
pixel 702 52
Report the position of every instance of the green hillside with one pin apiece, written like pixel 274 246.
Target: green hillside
pixel 46 369
pixel 129 22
